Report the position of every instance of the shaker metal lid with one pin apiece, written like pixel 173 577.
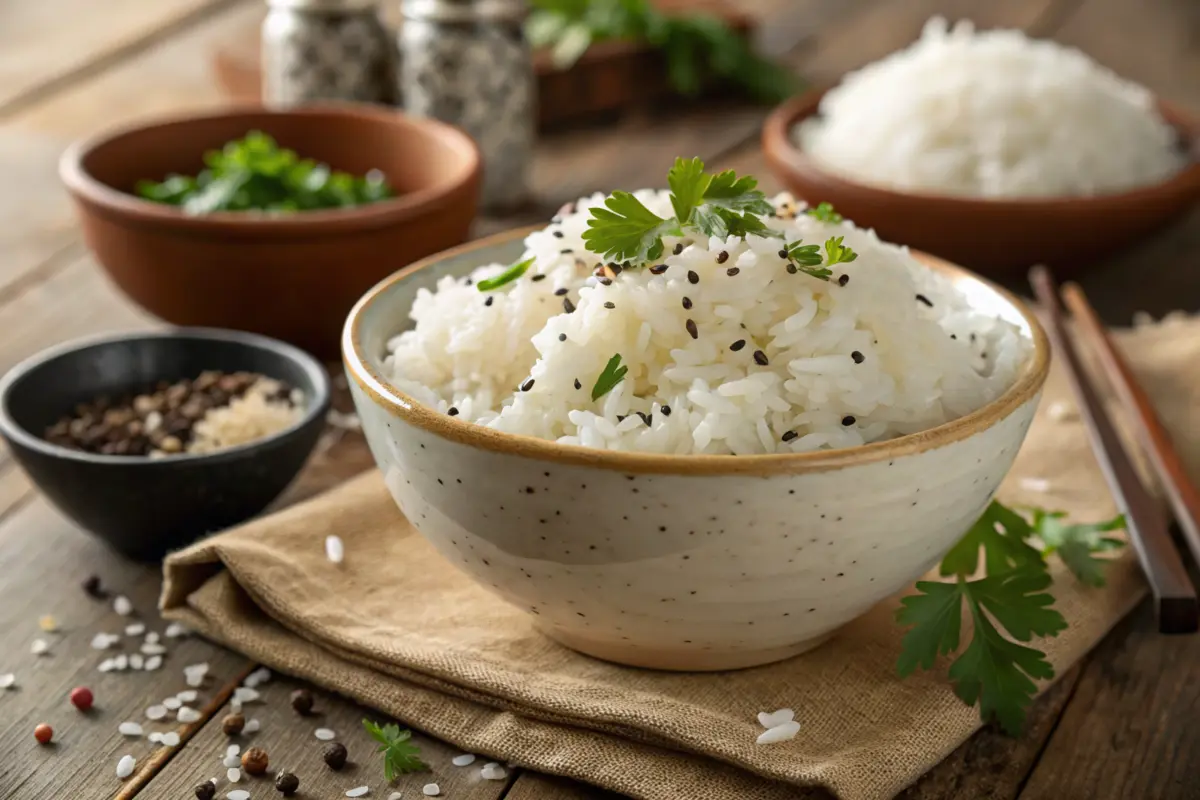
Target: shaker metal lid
pixel 464 10
pixel 323 5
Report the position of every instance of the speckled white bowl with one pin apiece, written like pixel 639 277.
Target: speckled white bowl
pixel 681 562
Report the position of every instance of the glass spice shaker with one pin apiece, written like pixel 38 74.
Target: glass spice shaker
pixel 466 62
pixel 316 50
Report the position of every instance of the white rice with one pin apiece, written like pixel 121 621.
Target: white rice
pixel 921 365
pixel 992 114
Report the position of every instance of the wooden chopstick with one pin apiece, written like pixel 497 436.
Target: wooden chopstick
pixel 1174 596
pixel 1181 492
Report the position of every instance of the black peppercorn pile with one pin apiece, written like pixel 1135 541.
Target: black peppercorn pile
pixel 160 421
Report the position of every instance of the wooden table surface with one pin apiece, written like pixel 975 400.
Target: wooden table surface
pixel 1119 725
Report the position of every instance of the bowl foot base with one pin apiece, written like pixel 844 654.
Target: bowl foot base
pixel 683 659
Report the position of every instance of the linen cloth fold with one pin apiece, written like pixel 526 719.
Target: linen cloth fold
pixel 398 628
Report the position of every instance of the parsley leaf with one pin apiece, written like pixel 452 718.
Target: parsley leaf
pixel 806 258
pixel 612 374
pixel 1001 533
pixel 688 184
pixel 823 212
pixel 837 253
pixel 625 230
pixel 1076 544
pixel 511 274
pixel 400 755
pixel 731 206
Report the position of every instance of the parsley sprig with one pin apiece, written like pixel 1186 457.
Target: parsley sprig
pixel 996 670
pixel 400 755
pixel 612 374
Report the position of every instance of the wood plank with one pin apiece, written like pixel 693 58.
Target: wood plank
pixel 535 786
pixel 1130 730
pixel 290 744
pixel 45 43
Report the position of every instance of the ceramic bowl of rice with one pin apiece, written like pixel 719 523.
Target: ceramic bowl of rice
pixel 991 149
pixel 707 460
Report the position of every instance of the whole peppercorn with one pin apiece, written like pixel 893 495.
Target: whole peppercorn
pixel 255 760
pixel 286 783
pixel 205 791
pixel 44 733
pixel 81 698
pixel 232 724
pixel 335 755
pixel 93 588
pixel 302 701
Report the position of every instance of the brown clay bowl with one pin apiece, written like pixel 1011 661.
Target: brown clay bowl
pixel 292 277
pixel 999 238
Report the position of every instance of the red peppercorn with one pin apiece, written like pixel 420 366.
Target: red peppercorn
pixel 43 733
pixel 81 698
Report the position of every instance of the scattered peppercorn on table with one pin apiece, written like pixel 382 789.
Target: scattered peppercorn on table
pixel 88 669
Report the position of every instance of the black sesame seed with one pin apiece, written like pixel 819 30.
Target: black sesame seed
pixel 848 420
pixel 858 357
pixel 452 411
pixel 568 306
pixel 983 354
pixel 527 385
pixel 562 337
pixel 738 345
pixel 558 234
pixel 789 435
pixel 783 254
pixel 468 281
pixel 488 302
pixel 687 302
pixel 843 279
pixel 923 299
pixel 678 248
pixel 616 269
pixel 610 304
pixel 760 358
pixel 538 277
pixel 732 271
pixel 954 336
pixel 972 337
pixel 658 269
pixel 578 385
pixel 645 418
pixel 606 281
pixel 621 417
pixel 792 268
pixel 693 277
pixel 691 329
pixel 665 410
pixel 722 257
pixel 566 251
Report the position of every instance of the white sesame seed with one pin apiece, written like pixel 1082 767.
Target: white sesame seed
pixel 233 774
pixel 175 630
pixel 39 647
pixel 122 606
pixel 252 726
pixel 244 694
pixel 135 629
pixel 171 739
pixel 8 680
pixel 151 638
pixel 187 695
pixel 324 734
pixel 233 750
pixel 153 663
pixel 129 729
pixel 156 712
pixel 779 733
pixel 335 551
pixel 769 719
pixel 125 767
pixel 431 790
pixel 231 762
pixel 238 794
pixel 136 661
pixel 358 791
pixel 188 714
pixel 173 703
pixel 464 760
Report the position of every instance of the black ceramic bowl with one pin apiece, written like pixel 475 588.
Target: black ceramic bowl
pixel 146 507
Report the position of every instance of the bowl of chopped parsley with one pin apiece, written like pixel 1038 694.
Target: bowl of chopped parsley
pixel 273 222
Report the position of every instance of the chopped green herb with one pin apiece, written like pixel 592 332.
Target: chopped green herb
pixel 836 253
pixel 400 755
pixel 612 374
pixel 807 258
pixel 823 212
pixel 997 671
pixel 256 174
pixel 509 275
pixel 625 230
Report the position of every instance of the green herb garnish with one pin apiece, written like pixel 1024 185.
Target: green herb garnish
pixel 823 212
pixel 997 671
pixel 626 230
pixel 612 374
pixel 836 253
pixel 510 274
pixel 696 47
pixel 807 259
pixel 400 755
pixel 256 174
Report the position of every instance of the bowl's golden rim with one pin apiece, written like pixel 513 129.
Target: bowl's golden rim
pixel 1026 387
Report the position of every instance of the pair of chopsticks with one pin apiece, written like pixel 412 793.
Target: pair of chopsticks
pixel 1175 597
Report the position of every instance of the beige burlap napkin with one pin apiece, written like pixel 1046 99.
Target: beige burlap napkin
pixel 400 629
